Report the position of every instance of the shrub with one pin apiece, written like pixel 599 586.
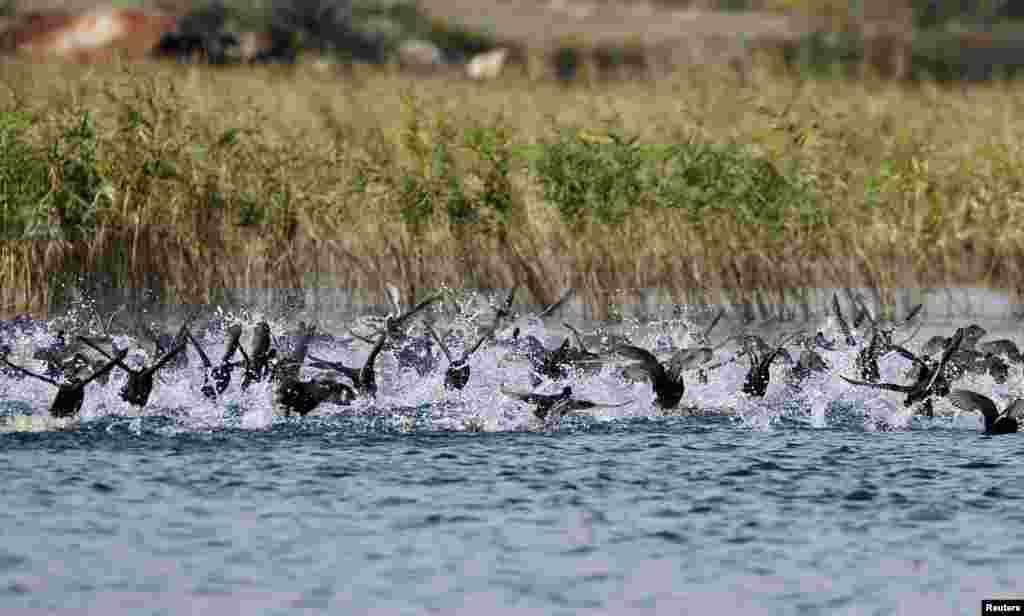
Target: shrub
pixel 24 181
pixel 604 180
pixel 705 179
pixel 592 179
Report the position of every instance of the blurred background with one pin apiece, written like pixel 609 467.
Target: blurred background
pixel 762 149
pixel 965 39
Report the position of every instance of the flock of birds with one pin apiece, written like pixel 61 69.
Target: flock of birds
pixel 73 362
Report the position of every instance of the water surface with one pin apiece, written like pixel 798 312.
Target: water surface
pixel 683 514
pixel 830 499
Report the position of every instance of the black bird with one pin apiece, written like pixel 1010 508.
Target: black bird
pixel 71 394
pixel 139 386
pixel 164 342
pixel 61 357
pixel 364 380
pixel 667 382
pixel 887 330
pixel 1002 348
pixel 550 363
pixel 258 362
pixel 411 351
pixel 394 323
pixel 556 406
pixel 975 362
pixel 978 357
pixel 759 376
pixel 931 379
pixel 703 338
pixel 851 341
pixel 1006 422
pixel 558 363
pixel 555 307
pixel 65 359
pixel 809 362
pixel 972 334
pixel 867 358
pixel 221 373
pixel 302 397
pixel 456 376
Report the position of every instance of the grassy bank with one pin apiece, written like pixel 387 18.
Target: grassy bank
pixel 203 179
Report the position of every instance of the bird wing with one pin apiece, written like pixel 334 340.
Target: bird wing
pixel 260 340
pixel 398 321
pixel 168 356
pixel 967 400
pixel 440 343
pixel 648 362
pixel 903 389
pixel 366 375
pixel 913 313
pixel 291 367
pixel 528 397
pixel 504 311
pixel 582 405
pixel 558 304
pixel 951 348
pixel 234 335
pixel 1000 347
pixel 26 372
pixel 912 334
pixel 688 359
pixel 395 297
pixel 843 325
pixel 1015 409
pixel 116 360
pixel 903 352
pixel 337 366
pixel 105 369
pixel 579 337
pixel 360 337
pixel 199 349
pixel 813 361
pixel 711 326
pixel 182 335
pixel 863 312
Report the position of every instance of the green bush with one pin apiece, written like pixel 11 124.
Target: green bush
pixel 604 180
pixel 32 207
pixel 702 178
pixel 81 190
pixel 24 181
pixel 592 179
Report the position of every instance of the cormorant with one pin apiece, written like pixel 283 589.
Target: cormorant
pixel 1006 422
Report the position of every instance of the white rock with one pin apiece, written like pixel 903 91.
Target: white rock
pixel 487 65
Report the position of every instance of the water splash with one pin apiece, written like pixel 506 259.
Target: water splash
pixel 412 402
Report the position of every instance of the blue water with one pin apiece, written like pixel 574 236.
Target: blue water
pixel 668 515
pixel 831 499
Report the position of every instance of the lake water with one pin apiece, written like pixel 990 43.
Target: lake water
pixel 794 504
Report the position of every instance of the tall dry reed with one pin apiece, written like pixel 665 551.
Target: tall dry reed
pixel 194 180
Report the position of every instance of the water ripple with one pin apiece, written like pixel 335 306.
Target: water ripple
pixel 625 517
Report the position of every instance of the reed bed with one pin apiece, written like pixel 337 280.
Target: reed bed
pixel 191 180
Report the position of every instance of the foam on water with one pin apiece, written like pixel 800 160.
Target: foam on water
pixel 822 400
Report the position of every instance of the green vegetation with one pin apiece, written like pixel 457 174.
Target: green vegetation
pixel 698 183
pixel 607 180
